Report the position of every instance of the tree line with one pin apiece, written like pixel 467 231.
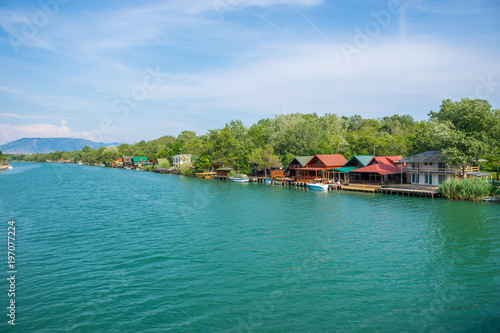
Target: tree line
pixel 464 131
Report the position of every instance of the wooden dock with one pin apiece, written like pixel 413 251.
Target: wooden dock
pixel 361 188
pixel 410 189
pixel 205 175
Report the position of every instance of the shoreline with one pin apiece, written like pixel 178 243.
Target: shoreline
pixel 391 190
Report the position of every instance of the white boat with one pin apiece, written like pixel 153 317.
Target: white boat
pixel 10 167
pixel 318 186
pixel 240 178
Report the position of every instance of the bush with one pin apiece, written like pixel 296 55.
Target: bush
pixel 467 189
pixel 187 172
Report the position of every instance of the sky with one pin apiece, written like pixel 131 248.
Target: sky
pixel 125 71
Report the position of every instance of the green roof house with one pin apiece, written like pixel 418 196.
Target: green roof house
pixel 295 163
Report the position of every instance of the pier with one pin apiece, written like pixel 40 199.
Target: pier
pixel 361 188
pixel 412 189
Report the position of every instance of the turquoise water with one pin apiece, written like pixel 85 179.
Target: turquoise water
pixel 109 250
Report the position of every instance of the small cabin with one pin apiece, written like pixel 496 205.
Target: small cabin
pixel 222 173
pixel 296 163
pixel 128 161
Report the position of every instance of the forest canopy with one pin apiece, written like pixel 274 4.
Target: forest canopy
pixel 463 131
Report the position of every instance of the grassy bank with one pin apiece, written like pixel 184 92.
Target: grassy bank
pixel 468 189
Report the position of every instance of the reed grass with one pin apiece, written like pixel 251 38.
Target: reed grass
pixel 473 189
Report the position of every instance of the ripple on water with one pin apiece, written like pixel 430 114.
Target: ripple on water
pixel 114 250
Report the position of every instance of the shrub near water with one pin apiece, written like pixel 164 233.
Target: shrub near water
pixel 467 189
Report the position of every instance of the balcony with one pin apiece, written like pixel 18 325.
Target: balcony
pixel 435 170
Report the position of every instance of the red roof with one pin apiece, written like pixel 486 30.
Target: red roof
pixel 312 168
pixel 332 160
pixel 386 159
pixel 381 169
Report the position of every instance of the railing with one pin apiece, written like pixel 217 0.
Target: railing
pixel 439 170
pixel 306 178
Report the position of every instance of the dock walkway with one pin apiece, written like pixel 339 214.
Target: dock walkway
pixel 412 189
pixel 361 188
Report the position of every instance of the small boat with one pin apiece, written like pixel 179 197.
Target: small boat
pixel 491 199
pixel 267 181
pixel 239 178
pixel 318 186
pixel 10 167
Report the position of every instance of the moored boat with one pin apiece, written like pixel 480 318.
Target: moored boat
pixel 318 186
pixel 239 178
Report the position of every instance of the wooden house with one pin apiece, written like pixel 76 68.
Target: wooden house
pixel 319 163
pixel 295 163
pixel 128 161
pixel 140 161
pixel 117 163
pixel 274 171
pixel 381 170
pixel 222 173
pixel 356 162
pixel 429 168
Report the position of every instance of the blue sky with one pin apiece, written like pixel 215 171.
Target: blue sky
pixel 123 71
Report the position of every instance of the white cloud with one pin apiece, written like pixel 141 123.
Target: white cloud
pixel 27 116
pixel 317 78
pixel 13 132
pixel 10 90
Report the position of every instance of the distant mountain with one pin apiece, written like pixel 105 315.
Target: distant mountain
pixel 49 145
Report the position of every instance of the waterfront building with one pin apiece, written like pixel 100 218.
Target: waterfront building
pixel 295 163
pixel 381 170
pixel 429 168
pixel 182 161
pixel 117 163
pixel 222 173
pixel 128 161
pixel 273 171
pixel 319 163
pixel 356 162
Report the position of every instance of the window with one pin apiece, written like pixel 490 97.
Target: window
pixel 441 179
pixel 426 179
pixel 415 178
pixel 441 166
pixel 430 179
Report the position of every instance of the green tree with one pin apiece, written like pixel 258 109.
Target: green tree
pixel 264 158
pixel 162 154
pixel 465 130
pixel 203 163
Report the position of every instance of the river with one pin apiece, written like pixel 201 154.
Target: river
pixel 111 250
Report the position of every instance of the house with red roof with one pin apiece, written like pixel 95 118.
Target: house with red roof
pixel 381 170
pixel 319 163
